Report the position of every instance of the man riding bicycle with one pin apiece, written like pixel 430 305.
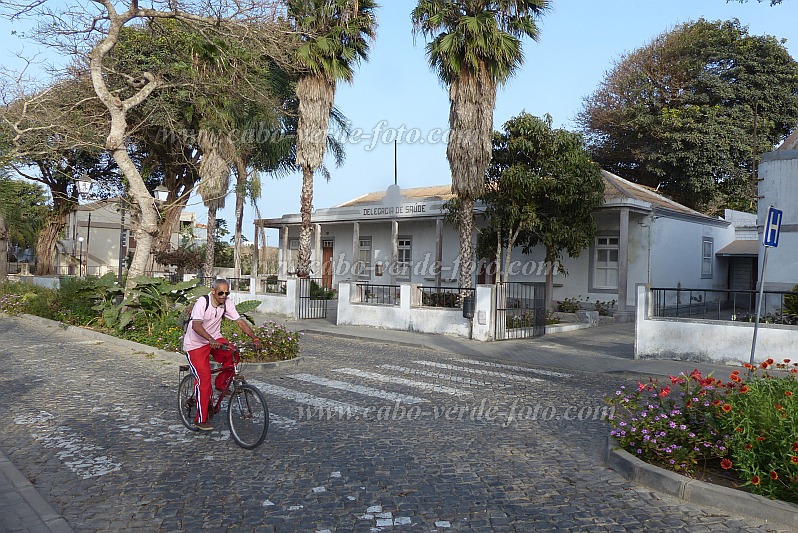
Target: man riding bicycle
pixel 203 339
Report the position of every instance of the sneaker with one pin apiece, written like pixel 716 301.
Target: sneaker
pixel 205 426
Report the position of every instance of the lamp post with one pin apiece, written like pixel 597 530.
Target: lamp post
pixel 80 267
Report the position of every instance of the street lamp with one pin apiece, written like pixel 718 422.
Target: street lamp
pixel 84 185
pixel 161 193
pixel 80 268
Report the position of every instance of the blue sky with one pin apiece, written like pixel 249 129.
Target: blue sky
pixel 579 41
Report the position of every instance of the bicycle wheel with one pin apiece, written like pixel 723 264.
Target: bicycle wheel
pixel 187 403
pixel 248 416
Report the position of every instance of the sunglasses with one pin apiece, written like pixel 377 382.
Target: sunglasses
pixel 223 293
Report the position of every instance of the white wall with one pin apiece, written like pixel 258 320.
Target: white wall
pixel 779 174
pixel 708 340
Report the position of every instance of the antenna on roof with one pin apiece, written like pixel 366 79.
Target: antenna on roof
pixel 658 186
pixel 395 162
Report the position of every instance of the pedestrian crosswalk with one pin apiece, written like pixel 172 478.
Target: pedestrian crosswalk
pixel 419 381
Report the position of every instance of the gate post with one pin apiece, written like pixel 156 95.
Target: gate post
pixel 485 313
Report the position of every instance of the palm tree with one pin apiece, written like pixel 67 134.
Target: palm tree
pixel 475 46
pixel 335 36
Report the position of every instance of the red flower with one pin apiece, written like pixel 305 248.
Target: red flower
pixel 665 391
pixel 725 464
pixel 794 371
pixel 696 375
pixel 736 372
pixel 675 379
pixel 760 438
pixel 778 407
pixel 738 429
pixel 744 389
pixel 770 361
pixel 641 386
pixel 764 364
pixel 749 366
pixel 755 480
pixel 716 402
pixel 795 446
pixel 773 475
pixel 726 408
pixel 788 393
pixel 786 360
pixel 748 446
pixel 794 459
pixel 735 378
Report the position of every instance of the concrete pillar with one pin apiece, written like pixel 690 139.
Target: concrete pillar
pixel 622 314
pixel 284 253
pixel 355 248
pixel 394 250
pixel 438 250
pixel 315 264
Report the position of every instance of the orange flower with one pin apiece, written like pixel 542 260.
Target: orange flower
pixel 725 464
pixel 716 402
pixel 755 480
pixel 773 475
pixel 726 408
pixel 738 429
pixel 736 372
pixel 778 407
pixel 744 389
pixel 794 459
pixel 749 366
pixel 735 378
pixel 788 393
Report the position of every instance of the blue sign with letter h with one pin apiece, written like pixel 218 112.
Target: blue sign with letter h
pixel 772 227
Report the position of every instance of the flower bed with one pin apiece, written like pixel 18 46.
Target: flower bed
pixel 747 426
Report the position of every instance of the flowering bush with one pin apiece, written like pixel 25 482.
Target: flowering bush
pixel 760 414
pixel 279 344
pixel 669 424
pixel 748 425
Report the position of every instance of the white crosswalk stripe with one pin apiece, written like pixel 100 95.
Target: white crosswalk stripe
pixel 438 375
pixel 479 372
pixel 307 399
pixel 430 387
pixel 358 389
pixel 512 367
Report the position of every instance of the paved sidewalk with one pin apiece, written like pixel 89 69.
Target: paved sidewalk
pixel 22 508
pixel 607 349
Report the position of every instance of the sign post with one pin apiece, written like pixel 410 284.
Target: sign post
pixel 771 240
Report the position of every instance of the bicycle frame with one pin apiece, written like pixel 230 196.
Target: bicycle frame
pixel 218 397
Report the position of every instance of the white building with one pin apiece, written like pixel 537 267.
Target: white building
pixel 95 231
pixel 395 236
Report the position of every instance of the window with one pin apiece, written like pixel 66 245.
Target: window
pixel 707 256
pixel 405 258
pixel 605 274
pixel 364 258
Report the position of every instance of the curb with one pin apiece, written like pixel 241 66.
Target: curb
pixel 43 510
pixel 700 492
pixel 369 339
pixel 172 357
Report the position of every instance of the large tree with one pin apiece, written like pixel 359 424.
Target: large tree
pixel 542 189
pixel 91 31
pixel 23 211
pixel 336 36
pixel 689 112
pixel 476 45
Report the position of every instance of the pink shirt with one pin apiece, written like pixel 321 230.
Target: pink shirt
pixel 211 319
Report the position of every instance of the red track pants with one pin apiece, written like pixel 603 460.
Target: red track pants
pixel 200 363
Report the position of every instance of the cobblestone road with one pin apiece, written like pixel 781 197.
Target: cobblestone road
pixel 364 437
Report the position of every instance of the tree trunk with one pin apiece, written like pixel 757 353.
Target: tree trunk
pixel 466 258
pixel 48 237
pixel 169 224
pixel 210 242
pixel 549 278
pixel 241 193
pixel 3 249
pixel 306 231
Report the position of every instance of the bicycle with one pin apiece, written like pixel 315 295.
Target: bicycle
pixel 247 412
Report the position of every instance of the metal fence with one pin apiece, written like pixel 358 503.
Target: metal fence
pixel 379 294
pixel 312 298
pixel 778 307
pixel 444 296
pixel 271 285
pixel 520 310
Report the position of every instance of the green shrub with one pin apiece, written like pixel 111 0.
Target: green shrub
pixel 747 425
pixel 569 305
pixel 77 298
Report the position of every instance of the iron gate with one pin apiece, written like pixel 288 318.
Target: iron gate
pixel 312 299
pixel 520 310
